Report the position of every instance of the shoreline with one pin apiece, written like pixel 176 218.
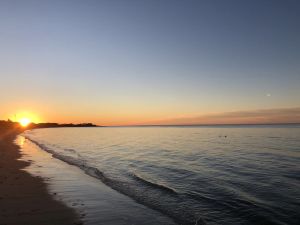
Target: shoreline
pixel 24 199
pixel 95 202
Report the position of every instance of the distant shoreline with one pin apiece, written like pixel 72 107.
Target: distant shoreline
pixel 172 125
pixel 4 124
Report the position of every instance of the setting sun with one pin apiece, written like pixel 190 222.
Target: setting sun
pixel 24 122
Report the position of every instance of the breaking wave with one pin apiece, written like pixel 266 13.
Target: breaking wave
pixel 152 184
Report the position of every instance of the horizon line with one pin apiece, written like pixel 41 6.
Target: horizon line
pixel 169 125
pixel 191 125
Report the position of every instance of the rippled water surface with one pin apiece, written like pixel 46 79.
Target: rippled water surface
pixel 205 175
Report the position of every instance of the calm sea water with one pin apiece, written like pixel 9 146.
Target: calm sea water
pixel 195 175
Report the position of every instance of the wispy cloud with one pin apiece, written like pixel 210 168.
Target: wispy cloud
pixel 283 115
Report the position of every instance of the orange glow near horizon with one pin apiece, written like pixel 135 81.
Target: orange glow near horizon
pixel 24 118
pixel 113 118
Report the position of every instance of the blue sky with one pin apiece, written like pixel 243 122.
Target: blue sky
pixel 116 62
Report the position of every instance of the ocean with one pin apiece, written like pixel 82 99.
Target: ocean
pixel 215 175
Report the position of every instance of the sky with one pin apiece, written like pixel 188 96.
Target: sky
pixel 150 62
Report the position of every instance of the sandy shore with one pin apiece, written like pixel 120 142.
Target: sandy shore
pixel 24 199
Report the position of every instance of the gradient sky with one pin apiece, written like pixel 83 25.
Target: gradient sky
pixel 133 62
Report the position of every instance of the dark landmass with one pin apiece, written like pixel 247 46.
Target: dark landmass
pixel 24 199
pixel 10 126
pixel 53 125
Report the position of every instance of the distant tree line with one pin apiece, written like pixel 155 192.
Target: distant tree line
pixel 8 124
pixel 52 125
pixel 9 129
pixel 4 124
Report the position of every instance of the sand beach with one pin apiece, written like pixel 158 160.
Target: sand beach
pixel 24 199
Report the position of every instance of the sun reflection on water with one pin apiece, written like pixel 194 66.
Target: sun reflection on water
pixel 20 141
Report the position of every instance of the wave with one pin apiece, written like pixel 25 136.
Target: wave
pixel 152 184
pixel 81 163
pixel 70 150
pixel 42 146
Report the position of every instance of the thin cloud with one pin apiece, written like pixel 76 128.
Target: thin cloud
pixel 263 116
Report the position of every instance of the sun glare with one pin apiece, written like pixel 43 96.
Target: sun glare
pixel 24 122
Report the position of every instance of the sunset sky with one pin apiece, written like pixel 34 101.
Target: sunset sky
pixel 150 62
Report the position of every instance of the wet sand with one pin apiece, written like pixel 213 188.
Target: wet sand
pixel 24 199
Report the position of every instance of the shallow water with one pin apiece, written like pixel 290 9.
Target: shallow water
pixel 94 202
pixel 213 175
